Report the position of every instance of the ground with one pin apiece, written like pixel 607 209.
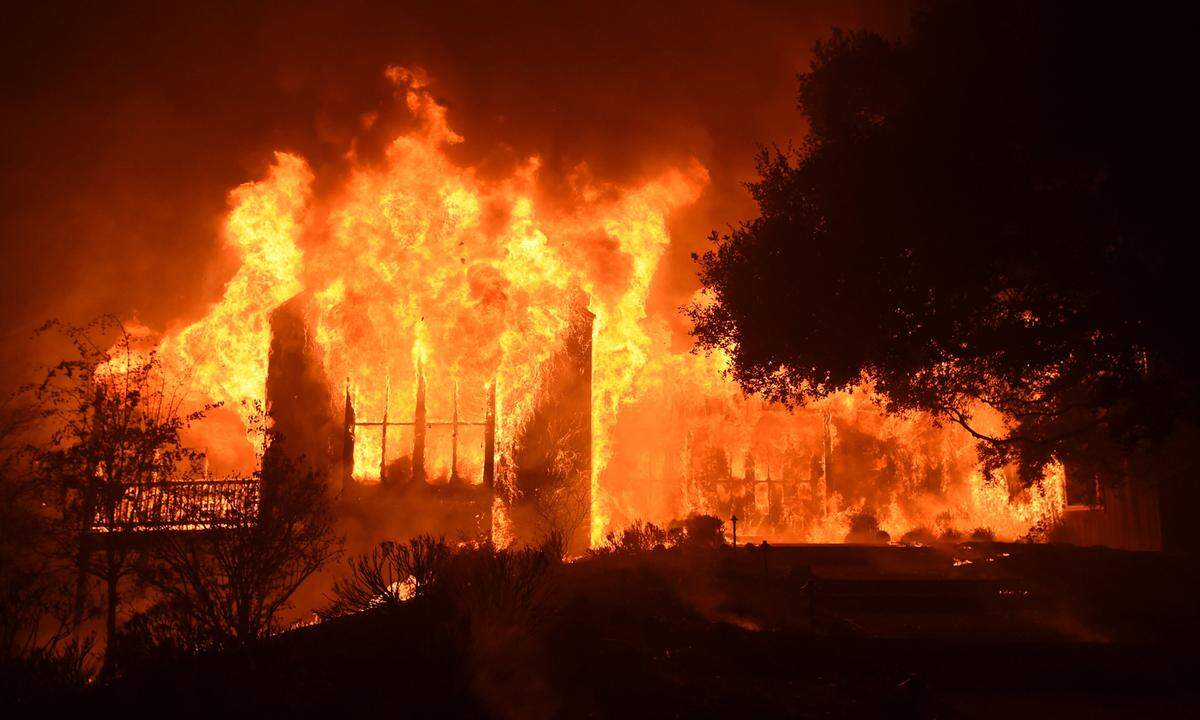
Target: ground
pixel 970 630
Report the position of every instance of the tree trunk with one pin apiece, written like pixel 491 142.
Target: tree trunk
pixel 113 578
pixel 81 568
pixel 83 558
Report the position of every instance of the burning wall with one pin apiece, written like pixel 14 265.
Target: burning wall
pixel 427 460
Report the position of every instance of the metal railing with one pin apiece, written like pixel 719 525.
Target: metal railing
pixel 182 505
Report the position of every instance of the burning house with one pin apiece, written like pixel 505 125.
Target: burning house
pixel 460 358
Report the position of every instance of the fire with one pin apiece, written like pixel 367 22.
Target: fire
pixel 226 352
pixel 811 473
pixel 419 270
pixel 424 267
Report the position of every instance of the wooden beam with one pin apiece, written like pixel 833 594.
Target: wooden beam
pixel 418 457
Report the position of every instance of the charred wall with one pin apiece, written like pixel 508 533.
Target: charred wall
pixel 298 398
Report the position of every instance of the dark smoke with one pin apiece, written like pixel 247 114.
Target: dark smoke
pixel 124 125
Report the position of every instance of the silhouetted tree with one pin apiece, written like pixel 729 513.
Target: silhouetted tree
pixel 562 508
pixel 550 493
pixel 114 421
pixel 21 533
pixel 39 652
pixel 980 215
pixel 233 580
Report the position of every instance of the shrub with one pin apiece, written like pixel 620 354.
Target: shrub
pixel 950 535
pixel 472 580
pixel 983 535
pixel 489 583
pixel 638 537
pixel 163 633
pixel 703 531
pixel 864 528
pixel 694 531
pixel 390 574
pixel 555 546
pixel 45 674
pixel 918 536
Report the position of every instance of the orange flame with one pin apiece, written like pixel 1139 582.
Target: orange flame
pixel 419 265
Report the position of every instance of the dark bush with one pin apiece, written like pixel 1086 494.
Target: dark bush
pixel 950 535
pixel 694 531
pixel 486 582
pixel 918 536
pixel 471 580
pixel 46 673
pixel 163 633
pixel 983 535
pixel 703 531
pixel 390 574
pixel 864 528
pixel 638 537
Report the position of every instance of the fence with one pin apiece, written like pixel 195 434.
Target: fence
pixel 184 505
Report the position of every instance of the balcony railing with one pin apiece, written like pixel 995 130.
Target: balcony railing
pixel 184 505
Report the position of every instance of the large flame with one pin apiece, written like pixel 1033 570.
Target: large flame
pixel 226 351
pixel 421 265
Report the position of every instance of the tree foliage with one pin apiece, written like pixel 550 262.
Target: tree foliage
pixel 979 217
pixel 114 421
pixel 36 618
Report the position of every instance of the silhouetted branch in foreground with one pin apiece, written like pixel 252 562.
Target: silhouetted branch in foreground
pixel 233 581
